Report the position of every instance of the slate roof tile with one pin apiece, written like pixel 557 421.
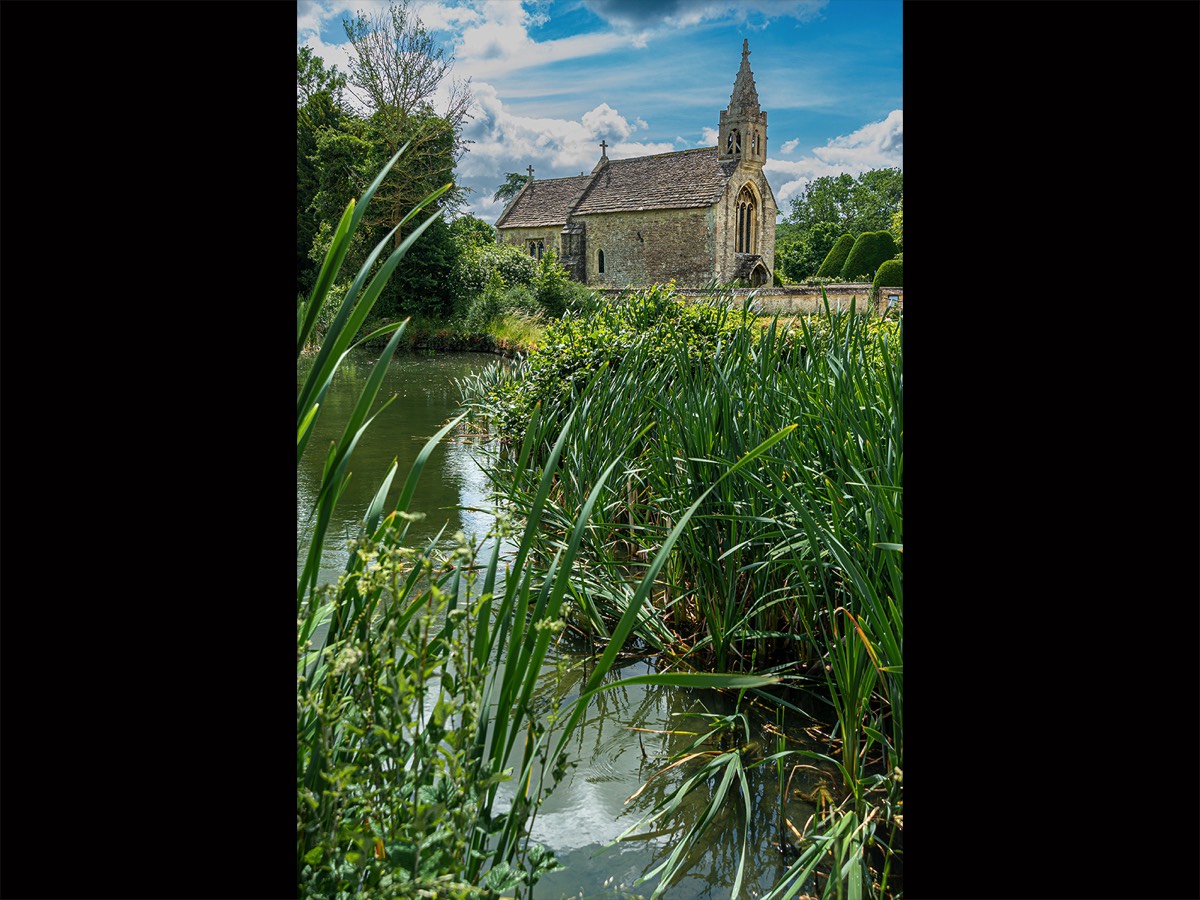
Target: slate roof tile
pixel 544 202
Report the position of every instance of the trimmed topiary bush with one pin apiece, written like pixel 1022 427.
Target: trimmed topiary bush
pixel 870 251
pixel 836 258
pixel 890 274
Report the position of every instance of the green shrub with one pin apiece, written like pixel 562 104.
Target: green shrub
pixel 555 289
pixel 870 251
pixel 576 347
pixel 890 274
pixel 836 258
pixel 477 263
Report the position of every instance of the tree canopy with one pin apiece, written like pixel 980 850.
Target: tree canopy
pixel 396 69
pixel 513 182
pixel 835 205
pixel 349 125
pixel 855 205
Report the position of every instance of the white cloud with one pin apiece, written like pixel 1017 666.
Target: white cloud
pixel 556 148
pixel 789 146
pixel 652 15
pixel 878 145
pixel 880 142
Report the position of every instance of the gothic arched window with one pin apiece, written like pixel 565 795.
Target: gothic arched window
pixel 600 261
pixel 746 235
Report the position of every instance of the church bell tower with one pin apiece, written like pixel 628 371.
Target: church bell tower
pixel 742 133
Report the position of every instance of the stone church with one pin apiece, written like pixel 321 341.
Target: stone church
pixel 695 216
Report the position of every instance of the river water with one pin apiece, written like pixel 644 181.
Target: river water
pixel 628 734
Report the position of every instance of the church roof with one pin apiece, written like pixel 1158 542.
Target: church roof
pixel 545 202
pixel 680 180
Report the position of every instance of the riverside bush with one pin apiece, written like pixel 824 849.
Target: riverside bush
pixel 597 337
pixel 792 565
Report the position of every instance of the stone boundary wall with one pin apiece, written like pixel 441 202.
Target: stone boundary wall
pixel 799 300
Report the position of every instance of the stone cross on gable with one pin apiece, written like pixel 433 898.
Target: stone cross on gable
pixel 603 147
pixel 530 171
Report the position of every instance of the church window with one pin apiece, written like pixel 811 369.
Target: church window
pixel 746 229
pixel 537 248
pixel 600 261
pixel 733 144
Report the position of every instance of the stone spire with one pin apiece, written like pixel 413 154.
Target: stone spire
pixel 742 132
pixel 744 98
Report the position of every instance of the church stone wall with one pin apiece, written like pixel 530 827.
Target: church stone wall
pixel 651 247
pixel 551 234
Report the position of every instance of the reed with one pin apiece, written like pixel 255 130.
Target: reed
pixel 416 669
pixel 791 564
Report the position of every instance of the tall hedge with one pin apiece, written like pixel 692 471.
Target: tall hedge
pixel 890 274
pixel 870 251
pixel 836 258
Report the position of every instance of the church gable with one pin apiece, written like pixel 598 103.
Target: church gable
pixel 546 202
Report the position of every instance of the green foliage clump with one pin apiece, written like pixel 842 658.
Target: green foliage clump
pixel 836 258
pixel 890 274
pixel 492 281
pixel 476 264
pixel 798 255
pixel 870 251
pixel 422 286
pixel 556 290
pixel 470 231
pixel 597 336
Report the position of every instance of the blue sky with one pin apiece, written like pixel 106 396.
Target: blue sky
pixel 550 79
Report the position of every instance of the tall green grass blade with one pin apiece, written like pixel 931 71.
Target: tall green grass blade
pixel 308 314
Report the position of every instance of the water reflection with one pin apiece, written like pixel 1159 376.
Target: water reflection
pixel 624 748
pixel 453 492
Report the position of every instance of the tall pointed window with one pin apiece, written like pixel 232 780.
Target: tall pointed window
pixel 746 238
pixel 600 261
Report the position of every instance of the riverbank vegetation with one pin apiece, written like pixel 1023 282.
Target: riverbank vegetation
pixel 416 667
pixel 791 568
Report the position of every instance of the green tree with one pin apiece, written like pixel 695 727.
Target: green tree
pixel 825 199
pixel 513 182
pixel 471 231
pixel 890 274
pixel 897 227
pixel 319 109
pixel 422 285
pixel 799 254
pixel 855 205
pixel 835 205
pixel 396 70
pixel 875 198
